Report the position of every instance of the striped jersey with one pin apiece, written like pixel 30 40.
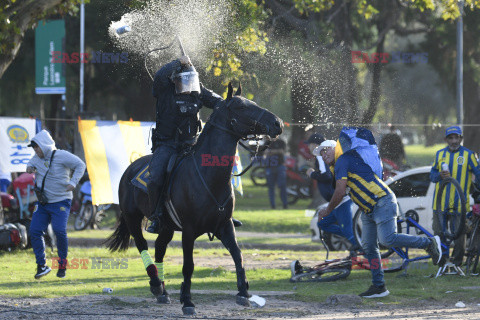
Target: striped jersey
pixel 365 187
pixel 461 164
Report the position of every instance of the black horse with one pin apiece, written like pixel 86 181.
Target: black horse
pixel 201 195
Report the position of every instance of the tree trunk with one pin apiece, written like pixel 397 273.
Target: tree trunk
pixel 375 90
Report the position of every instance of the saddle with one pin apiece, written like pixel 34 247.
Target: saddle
pixel 142 178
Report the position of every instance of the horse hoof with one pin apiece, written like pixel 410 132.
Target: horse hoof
pixel 243 301
pixel 164 298
pixel 189 311
pixel 156 291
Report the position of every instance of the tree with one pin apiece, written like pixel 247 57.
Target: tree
pixel 17 16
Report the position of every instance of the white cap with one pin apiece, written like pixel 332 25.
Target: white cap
pixel 323 145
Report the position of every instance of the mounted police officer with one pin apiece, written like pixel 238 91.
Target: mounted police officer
pixel 180 96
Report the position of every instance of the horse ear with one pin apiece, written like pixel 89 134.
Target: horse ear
pixel 230 91
pixel 239 90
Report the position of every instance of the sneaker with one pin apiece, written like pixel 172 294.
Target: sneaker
pixel 61 272
pixel 295 267
pixel 42 271
pixel 375 292
pixel 434 249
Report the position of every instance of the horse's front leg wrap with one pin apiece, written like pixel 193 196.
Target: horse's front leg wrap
pixel 151 268
pixel 161 274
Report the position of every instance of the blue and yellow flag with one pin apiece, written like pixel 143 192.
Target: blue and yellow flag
pixel 110 147
pixel 362 141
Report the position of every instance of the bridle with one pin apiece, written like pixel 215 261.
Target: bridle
pixel 239 122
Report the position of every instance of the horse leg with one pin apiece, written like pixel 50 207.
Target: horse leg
pixel 163 239
pixel 134 220
pixel 227 236
pixel 188 266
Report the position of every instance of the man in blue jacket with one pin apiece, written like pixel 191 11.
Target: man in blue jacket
pixel 339 221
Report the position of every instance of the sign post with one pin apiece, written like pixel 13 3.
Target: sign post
pixel 49 76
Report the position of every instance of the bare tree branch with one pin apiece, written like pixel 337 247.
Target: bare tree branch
pixel 284 14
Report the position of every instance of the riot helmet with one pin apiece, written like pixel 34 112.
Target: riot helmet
pixel 186 80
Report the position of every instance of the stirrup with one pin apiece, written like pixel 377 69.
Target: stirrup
pixel 155 227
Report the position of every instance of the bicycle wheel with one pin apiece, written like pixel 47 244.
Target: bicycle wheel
pixel 259 176
pixel 453 219
pixel 85 216
pixel 325 275
pixel 473 250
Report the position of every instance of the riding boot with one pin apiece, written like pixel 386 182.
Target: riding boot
pixel 155 200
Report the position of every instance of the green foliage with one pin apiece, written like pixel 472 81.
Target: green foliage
pixel 227 58
pixel 10 13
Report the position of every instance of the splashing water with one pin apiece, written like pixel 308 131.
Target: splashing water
pixel 200 24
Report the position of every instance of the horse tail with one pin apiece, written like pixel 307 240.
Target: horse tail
pixel 120 238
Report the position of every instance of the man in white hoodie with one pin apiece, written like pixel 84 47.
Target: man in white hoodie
pixel 53 176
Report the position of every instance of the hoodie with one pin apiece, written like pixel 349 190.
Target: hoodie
pixel 60 174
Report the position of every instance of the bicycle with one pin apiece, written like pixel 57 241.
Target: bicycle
pixel 473 247
pixel 452 226
pixel 331 270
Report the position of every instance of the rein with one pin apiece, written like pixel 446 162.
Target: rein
pixel 254 124
pixel 221 207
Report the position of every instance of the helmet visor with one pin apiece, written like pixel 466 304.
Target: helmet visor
pixel 186 82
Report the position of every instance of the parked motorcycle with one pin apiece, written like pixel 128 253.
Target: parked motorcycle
pixel 12 210
pixel 298 184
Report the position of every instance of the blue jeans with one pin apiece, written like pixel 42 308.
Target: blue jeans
pixel 57 214
pixel 339 222
pixel 4 183
pixel 380 225
pixel 277 176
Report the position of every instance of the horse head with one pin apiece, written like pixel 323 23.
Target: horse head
pixel 246 118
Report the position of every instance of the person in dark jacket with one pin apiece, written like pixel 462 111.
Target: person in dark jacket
pixel 180 96
pixel 276 171
pixel 339 221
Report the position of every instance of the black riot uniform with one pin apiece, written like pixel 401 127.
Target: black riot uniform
pixel 179 98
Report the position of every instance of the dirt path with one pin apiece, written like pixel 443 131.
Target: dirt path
pixel 277 307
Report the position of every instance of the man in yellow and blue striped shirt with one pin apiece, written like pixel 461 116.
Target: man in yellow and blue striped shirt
pixel 358 173
pixel 461 164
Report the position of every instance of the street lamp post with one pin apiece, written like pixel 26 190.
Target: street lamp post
pixel 460 65
pixel 82 50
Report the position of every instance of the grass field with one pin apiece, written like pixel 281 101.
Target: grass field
pixel 17 268
pixel 418 155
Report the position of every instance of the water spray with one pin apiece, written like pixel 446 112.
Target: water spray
pixel 182 50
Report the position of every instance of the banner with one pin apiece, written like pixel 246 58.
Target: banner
pixel 49 76
pixel 15 135
pixel 110 147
